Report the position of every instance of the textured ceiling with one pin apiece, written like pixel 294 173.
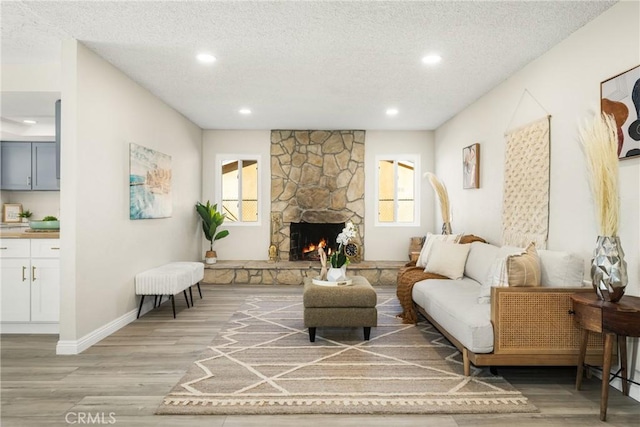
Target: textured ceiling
pixel 303 65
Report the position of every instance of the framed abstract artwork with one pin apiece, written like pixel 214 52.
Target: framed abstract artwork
pixel 471 166
pixel 149 183
pixel 620 97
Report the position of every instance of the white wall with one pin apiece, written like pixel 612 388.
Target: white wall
pixel 245 242
pixel 392 242
pixel 102 249
pixel 31 77
pixel 566 82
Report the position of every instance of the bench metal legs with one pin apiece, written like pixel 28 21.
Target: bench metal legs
pixel 140 309
pixel 186 298
pixel 157 301
pixel 191 293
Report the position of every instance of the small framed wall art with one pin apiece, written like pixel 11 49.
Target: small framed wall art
pixel 11 212
pixel 620 97
pixel 471 166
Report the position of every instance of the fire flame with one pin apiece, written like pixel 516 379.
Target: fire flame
pixel 314 247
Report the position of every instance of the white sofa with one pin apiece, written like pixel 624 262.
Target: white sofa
pixel 497 326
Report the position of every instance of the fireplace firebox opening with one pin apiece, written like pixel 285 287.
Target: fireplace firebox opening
pixel 307 237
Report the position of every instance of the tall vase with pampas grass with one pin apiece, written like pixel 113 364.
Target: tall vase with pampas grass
pixel 608 268
pixel 443 196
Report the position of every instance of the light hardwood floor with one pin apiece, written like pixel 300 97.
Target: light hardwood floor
pixel 128 374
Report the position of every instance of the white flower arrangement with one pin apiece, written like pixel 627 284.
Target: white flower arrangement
pixel 338 258
pixel 348 233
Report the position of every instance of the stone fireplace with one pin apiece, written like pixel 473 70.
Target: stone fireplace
pixel 317 177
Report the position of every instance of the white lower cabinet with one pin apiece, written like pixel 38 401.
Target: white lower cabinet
pixel 16 290
pixel 45 290
pixel 30 290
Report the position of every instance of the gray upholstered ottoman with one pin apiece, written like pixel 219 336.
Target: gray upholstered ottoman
pixel 340 306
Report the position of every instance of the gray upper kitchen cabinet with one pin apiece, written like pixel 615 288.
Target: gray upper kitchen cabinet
pixel 28 166
pixel 43 166
pixel 16 165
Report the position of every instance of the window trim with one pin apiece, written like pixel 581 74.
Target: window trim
pixel 220 158
pixel 415 158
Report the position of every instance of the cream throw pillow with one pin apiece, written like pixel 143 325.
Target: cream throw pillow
pixel 428 243
pixel 524 270
pixel 499 273
pixel 448 259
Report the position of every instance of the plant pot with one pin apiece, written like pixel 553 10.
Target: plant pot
pixel 336 274
pixel 210 257
pixel 609 269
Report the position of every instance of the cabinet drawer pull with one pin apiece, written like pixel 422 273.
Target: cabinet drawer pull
pixel 55 249
pixel 24 270
pixel 33 273
pixel 4 248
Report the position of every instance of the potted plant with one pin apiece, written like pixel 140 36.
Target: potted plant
pixel 339 259
pixel 25 215
pixel 46 223
pixel 211 220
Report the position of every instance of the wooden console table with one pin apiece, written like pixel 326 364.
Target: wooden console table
pixel 621 319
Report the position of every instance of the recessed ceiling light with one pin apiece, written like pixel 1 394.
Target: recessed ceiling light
pixel 29 122
pixel 431 59
pixel 206 58
pixel 392 111
pixel 244 111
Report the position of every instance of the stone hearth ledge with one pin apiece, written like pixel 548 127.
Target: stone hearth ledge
pixel 378 273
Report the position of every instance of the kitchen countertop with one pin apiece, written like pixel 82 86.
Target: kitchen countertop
pixel 25 233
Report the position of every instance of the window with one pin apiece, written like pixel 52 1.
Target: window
pixel 396 189
pixel 240 188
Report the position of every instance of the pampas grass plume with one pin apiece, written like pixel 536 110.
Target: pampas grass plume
pixel 441 191
pixel 600 141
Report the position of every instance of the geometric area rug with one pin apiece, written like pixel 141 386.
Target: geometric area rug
pixel 263 363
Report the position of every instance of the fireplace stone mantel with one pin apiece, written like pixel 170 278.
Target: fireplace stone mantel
pixel 317 176
pixel 378 273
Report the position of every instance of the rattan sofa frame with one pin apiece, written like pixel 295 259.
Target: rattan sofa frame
pixel 531 327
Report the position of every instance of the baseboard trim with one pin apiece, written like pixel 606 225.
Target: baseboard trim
pixel 634 389
pixel 30 328
pixel 70 347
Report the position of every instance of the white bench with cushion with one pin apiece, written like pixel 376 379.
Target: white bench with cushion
pixel 170 279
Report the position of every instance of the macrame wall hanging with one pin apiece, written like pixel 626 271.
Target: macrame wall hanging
pixel 525 207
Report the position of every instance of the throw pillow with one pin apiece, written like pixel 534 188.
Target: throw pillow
pixel 447 259
pixel 428 243
pixel 498 276
pixel 524 270
pixel 498 272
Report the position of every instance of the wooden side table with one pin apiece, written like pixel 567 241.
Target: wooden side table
pixel 621 320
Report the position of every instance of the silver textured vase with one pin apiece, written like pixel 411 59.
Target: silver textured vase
pixel 446 228
pixel 609 269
